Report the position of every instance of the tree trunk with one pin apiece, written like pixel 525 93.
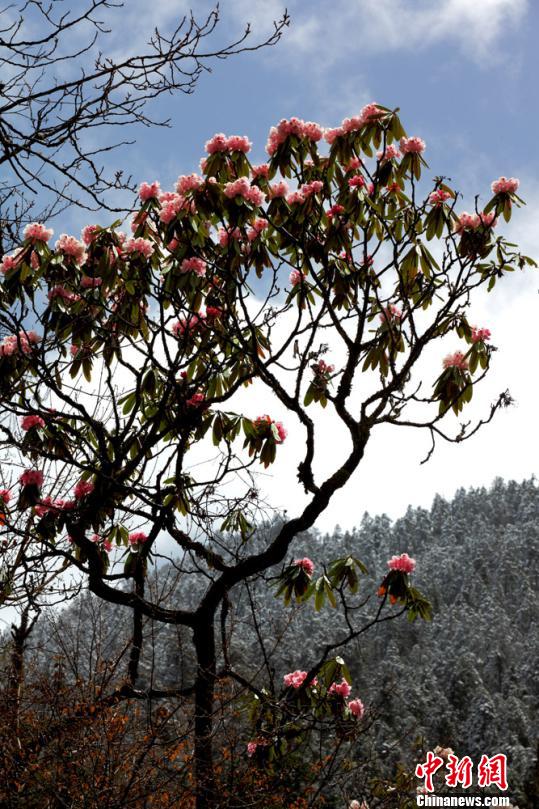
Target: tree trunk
pixel 204 640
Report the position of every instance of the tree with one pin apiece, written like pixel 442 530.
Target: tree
pixel 59 85
pixel 169 328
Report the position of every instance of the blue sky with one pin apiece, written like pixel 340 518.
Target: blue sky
pixel 464 74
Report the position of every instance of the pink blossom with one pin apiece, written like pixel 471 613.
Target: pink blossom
pixel 90 283
pixel 341 689
pixel 149 191
pixel 251 748
pixel 356 181
pixel 217 144
pixel 480 335
pixel 28 422
pixel 196 400
pixel 44 507
pixel 354 164
pixel 70 246
pixel 196 265
pixel 335 210
pixel 260 171
pixel 281 431
pixel 356 708
pixel 257 226
pixel 391 152
pixel 82 489
pixel 505 185
pixel 242 188
pixel 5 496
pixel 371 112
pixel 295 679
pixel 323 368
pixel 403 563
pixel 314 187
pixel 390 313
pixel 412 145
pixel 238 143
pixel 296 277
pixel 137 538
pixel 224 236
pixel 188 324
pixel 188 182
pixel 331 135
pixel 10 262
pixel 66 295
pixel 142 246
pixel 31 477
pixel 295 198
pixel 279 189
pixel 37 232
pixel 90 233
pixel 171 205
pixel 456 360
pixel 213 312
pixel 295 126
pixel 439 196
pixel 305 563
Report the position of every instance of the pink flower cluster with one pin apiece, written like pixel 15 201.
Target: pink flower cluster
pixel 242 188
pixel 171 205
pixel 296 679
pixel 295 126
pixel 296 277
pixel 137 538
pixel 342 689
pixel 36 232
pixel 149 191
pixel 142 246
pixel 188 324
pixel 196 265
pixel 356 708
pixel 5 496
pixel 48 504
pixel 257 227
pixel 480 335
pixel 10 262
pixel 439 196
pixel 404 563
pixel 90 283
pixel 505 185
pixel 369 113
pixel 390 313
pixel 188 182
pixel 28 422
pixel 456 360
pixel 391 152
pixel 260 171
pixel 304 192
pixel 70 246
pixel 306 564
pixel 322 368
pixel 106 544
pixel 357 181
pixel 12 344
pixel 196 400
pixel 31 477
pixel 66 295
pixel 277 428
pixel 472 221
pixel 279 189
pixel 222 143
pixel 412 145
pixel 82 489
pixel 89 234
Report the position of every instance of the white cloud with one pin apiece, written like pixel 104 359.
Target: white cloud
pixel 357 27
